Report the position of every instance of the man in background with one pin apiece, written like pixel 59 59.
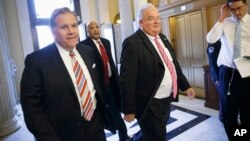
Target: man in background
pixel 233 31
pixel 109 74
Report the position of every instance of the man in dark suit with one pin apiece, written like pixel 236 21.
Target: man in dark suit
pixel 51 98
pixel 150 76
pixel 110 75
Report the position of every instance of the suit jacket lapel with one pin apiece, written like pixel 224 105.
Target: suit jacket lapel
pixel 150 46
pixel 59 64
pixel 107 47
pixel 92 44
pixel 167 44
pixel 105 44
pixel 86 59
pixel 90 64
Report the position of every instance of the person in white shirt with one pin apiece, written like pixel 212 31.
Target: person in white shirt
pixel 234 90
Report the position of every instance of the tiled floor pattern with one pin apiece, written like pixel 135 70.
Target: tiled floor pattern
pixel 189 121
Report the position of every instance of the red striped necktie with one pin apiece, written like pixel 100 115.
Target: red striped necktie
pixel 169 65
pixel 86 99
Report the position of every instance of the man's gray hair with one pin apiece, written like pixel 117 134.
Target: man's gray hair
pixel 58 12
pixel 142 9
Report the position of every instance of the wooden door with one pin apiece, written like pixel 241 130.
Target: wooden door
pixel 188 41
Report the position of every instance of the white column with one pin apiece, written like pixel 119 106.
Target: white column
pixel 9 121
pixel 103 11
pixel 24 26
pixel 126 18
pixel 137 5
pixel 85 10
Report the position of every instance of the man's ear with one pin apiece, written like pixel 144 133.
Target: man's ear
pixel 140 22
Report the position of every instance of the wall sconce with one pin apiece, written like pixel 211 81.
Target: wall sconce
pixel 117 19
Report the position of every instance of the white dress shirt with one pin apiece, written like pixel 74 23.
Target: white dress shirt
pixel 68 63
pixel 225 32
pixel 165 88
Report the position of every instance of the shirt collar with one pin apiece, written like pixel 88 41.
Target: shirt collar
pixel 96 41
pixel 245 18
pixel 151 37
pixel 62 50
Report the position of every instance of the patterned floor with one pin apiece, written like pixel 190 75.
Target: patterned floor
pixel 189 121
pixel 181 120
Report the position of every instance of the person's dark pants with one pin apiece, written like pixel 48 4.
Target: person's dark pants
pixel 119 124
pixel 117 118
pixel 153 124
pixel 234 99
pixel 83 130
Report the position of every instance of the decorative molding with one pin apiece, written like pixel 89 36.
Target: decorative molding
pixel 167 5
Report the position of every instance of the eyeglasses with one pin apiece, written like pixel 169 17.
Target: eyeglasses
pixel 234 10
pixel 151 19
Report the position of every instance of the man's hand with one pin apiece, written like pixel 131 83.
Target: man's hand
pixel 190 93
pixel 224 12
pixel 129 117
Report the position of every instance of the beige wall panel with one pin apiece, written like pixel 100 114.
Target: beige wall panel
pixel 198 80
pixel 213 14
pixel 180 40
pixel 197 40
